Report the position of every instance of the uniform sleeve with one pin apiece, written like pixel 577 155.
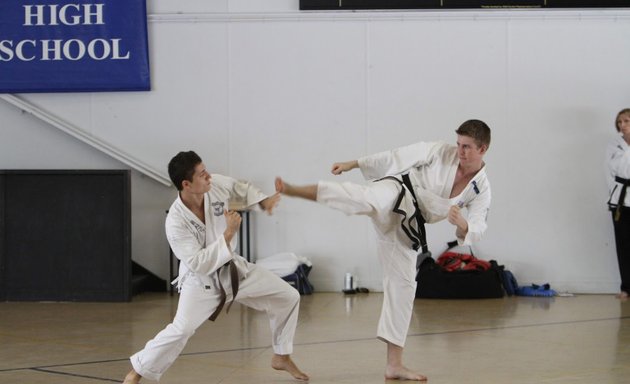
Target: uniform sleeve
pixel 242 192
pixel 186 248
pixel 477 218
pixel 397 161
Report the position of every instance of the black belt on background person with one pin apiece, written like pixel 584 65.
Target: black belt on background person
pixel 234 282
pixel 622 196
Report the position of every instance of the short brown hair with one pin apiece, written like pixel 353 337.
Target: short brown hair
pixel 182 167
pixel 476 129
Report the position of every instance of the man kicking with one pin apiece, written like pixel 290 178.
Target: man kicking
pixel 422 182
pixel 202 233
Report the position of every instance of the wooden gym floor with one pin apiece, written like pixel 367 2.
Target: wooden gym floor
pixel 582 339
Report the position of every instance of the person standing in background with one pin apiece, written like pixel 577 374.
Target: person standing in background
pixel 618 178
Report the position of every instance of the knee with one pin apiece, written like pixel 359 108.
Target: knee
pixel 292 296
pixel 183 328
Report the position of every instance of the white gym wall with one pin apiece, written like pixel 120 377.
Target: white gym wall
pixel 261 89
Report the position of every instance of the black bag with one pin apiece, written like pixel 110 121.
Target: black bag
pixel 299 279
pixel 435 282
pixel 509 283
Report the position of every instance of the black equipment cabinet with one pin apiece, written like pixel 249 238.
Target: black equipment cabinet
pixel 65 235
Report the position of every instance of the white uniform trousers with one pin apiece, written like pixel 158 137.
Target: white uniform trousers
pixel 260 290
pixel 395 252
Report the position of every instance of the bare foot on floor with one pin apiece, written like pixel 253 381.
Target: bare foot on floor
pixel 402 373
pixel 284 363
pixel 132 378
pixel 622 295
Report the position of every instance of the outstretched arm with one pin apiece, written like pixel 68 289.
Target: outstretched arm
pixel 242 193
pixel 400 160
pixel 339 168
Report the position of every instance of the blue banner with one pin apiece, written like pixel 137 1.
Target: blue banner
pixel 73 46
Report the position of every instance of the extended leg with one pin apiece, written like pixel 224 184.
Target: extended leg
pixel 397 257
pixel 308 192
pixel 194 307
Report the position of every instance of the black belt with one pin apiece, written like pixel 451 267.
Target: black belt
pixel 417 236
pixel 622 196
pixel 234 282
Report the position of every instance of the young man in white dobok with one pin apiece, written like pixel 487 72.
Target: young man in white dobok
pixel 422 182
pixel 202 233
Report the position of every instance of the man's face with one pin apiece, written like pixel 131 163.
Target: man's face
pixel 201 180
pixel 468 151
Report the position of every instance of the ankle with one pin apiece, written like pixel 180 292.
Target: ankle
pixel 279 359
pixel 133 377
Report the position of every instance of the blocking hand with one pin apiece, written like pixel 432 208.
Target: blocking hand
pixel 232 220
pixel 270 203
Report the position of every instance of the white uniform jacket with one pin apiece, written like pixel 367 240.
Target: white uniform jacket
pixel 618 162
pixel 432 168
pixel 201 247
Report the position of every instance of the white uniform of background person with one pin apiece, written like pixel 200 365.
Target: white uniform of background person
pixel 618 163
pixel 432 168
pixel 202 250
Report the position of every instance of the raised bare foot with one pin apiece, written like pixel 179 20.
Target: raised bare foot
pixel 281 186
pixel 402 373
pixel 132 378
pixel 284 363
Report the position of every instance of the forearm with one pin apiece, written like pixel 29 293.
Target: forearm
pixel 462 230
pixel 397 161
pixel 203 260
pixel 228 235
pixel 242 192
pixel 474 232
